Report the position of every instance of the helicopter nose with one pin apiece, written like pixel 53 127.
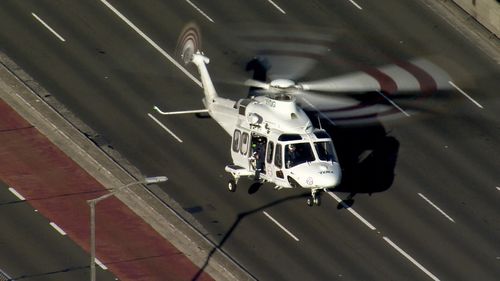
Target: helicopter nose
pixel 329 176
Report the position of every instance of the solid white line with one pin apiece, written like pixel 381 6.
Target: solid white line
pixel 56 227
pixel 164 127
pixel 437 208
pixel 151 42
pixel 355 4
pixel 498 188
pixel 410 259
pixel 48 27
pixel 465 94
pixel 199 10
pixel 394 104
pixel 276 6
pixel 17 194
pixel 351 210
pixel 100 264
pixel 282 227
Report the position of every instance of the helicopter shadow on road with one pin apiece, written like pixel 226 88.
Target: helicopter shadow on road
pixel 367 155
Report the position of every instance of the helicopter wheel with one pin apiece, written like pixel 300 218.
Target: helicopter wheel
pixel 231 185
pixel 310 201
pixel 316 201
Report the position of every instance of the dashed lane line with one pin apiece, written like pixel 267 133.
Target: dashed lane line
pixel 281 226
pixel 465 94
pixel 17 194
pixel 199 10
pixel 56 227
pixel 386 239
pixel 164 127
pixel 334 196
pixel 436 207
pixel 276 6
pixel 48 27
pixel 356 4
pixel 416 263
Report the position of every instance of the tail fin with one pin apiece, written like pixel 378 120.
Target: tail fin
pixel 201 62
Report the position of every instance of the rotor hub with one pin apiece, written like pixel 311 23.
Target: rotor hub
pixel 282 84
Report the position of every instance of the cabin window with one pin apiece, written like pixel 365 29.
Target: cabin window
pixel 236 140
pixel 278 161
pixel 244 143
pixel 270 150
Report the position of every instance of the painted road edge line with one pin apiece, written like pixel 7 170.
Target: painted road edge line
pixel 465 94
pixel 151 42
pixel 410 258
pixel 281 226
pixel 100 264
pixel 48 27
pixel 56 227
pixel 436 207
pixel 334 196
pixel 199 10
pixel 17 194
pixel 276 6
pixel 164 127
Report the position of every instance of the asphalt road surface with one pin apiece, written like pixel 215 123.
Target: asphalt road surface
pixel 36 249
pixel 423 187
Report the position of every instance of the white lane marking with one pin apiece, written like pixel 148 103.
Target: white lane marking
pixel 17 194
pixel 48 27
pixel 436 207
pixel 355 4
pixel 100 264
pixel 465 94
pixel 394 104
pixel 56 227
pixel 164 127
pixel 151 42
pixel 334 196
pixel 199 10
pixel 410 258
pixel 276 6
pixel 498 188
pixel 281 226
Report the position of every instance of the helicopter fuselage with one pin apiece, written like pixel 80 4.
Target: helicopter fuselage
pixel 273 140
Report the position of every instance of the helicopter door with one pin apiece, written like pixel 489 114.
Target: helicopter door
pixel 258 153
pixel 278 164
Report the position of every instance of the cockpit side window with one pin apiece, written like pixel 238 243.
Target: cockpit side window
pixel 236 140
pixel 278 161
pixel 298 153
pixel 325 150
pixel 270 150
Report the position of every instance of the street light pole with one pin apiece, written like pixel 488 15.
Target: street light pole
pixel 92 204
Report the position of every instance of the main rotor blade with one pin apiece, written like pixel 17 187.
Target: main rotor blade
pixel 411 76
pixel 257 84
pixel 355 82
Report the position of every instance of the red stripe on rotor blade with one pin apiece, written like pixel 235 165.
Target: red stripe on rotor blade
pixel 387 84
pixel 427 83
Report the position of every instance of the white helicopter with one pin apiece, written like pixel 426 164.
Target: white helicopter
pixel 273 140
